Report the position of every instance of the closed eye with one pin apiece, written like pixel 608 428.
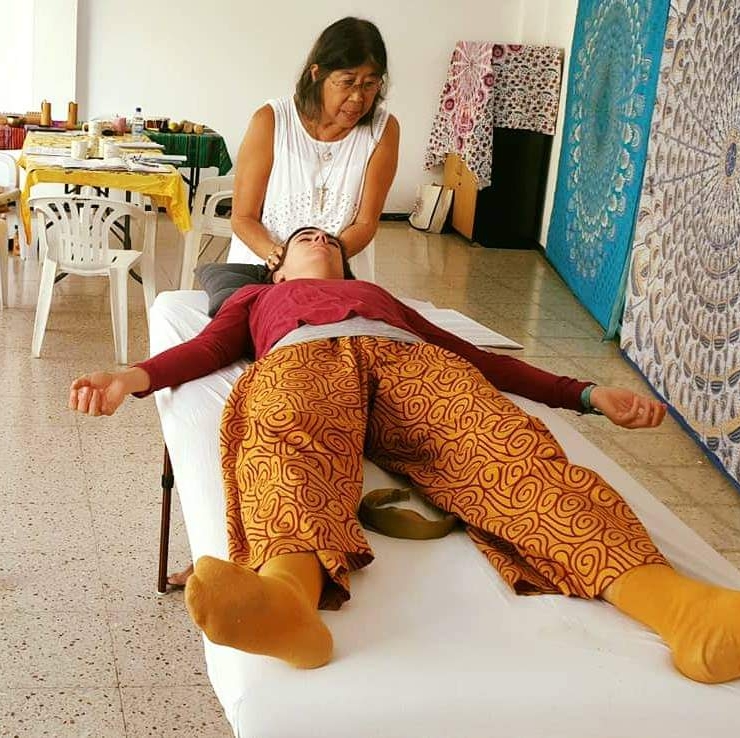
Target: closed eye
pixel 309 236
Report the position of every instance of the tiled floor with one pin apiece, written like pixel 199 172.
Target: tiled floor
pixel 88 648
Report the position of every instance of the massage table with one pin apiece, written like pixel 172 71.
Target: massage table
pixel 433 644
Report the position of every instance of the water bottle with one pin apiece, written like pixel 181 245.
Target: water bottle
pixel 137 124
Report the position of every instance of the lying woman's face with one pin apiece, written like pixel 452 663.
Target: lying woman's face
pixel 311 254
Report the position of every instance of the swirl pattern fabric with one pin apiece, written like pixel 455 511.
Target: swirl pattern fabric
pixel 297 422
pixel 611 90
pixel 681 324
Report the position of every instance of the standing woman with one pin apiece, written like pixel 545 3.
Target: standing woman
pixel 324 157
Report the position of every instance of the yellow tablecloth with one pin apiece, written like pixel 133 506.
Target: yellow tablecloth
pixel 166 190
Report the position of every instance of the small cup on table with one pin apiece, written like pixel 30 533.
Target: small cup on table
pixel 111 150
pixel 79 149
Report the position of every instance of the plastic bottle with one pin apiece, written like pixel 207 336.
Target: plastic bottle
pixel 137 124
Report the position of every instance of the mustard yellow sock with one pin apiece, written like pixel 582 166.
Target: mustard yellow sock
pixel 699 622
pixel 272 613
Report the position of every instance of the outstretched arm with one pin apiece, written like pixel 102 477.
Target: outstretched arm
pixel 622 406
pixel 223 341
pixel 101 393
pixel 626 408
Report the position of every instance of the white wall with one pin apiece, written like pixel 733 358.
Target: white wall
pixel 15 88
pixel 38 49
pixel 217 62
pixel 54 48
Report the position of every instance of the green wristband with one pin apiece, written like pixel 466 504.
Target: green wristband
pixel 586 399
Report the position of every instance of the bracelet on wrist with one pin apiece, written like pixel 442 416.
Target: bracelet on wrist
pixel 586 401
pixel 274 256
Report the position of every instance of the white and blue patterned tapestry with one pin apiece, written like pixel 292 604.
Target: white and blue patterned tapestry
pixel 682 316
pixel 611 89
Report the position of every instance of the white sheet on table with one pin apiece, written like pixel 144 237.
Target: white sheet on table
pixel 433 644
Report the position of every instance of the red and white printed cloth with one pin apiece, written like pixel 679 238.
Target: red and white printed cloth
pixel 493 86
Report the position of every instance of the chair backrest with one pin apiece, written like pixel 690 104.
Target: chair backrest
pixel 79 231
pixel 9 173
pixel 211 192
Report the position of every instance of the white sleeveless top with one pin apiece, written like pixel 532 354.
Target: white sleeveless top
pixel 317 183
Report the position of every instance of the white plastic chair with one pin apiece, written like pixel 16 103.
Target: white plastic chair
pixel 10 197
pixel 3 262
pixel 75 236
pixel 211 192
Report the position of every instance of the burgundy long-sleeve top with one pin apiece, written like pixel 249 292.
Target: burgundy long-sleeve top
pixel 256 316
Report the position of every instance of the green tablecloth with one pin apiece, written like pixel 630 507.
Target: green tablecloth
pixel 202 149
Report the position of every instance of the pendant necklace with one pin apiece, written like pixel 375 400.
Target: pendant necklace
pixel 322 189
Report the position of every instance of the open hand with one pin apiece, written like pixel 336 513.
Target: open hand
pixel 99 393
pixel 626 408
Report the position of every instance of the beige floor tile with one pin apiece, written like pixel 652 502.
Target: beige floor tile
pixel 614 372
pixel 41 379
pixel 555 329
pixel 531 347
pixel 117 522
pixel 41 461
pixel 655 481
pixel 173 711
pixel 107 443
pixel 16 329
pixel 157 649
pixel 56 649
pixel 138 414
pixel 515 309
pixel 47 525
pixel 46 487
pixel 578 347
pixel 61 713
pixel 129 577
pixel 50 581
pixel 123 484
pixel 718 525
pixel 26 413
pixel 662 449
pixel 702 485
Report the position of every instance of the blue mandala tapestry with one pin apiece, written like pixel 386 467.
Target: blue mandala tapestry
pixel 681 324
pixel 613 74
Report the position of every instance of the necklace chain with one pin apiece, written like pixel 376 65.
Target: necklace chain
pixel 322 189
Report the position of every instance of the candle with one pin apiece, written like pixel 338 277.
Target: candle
pixel 72 115
pixel 45 113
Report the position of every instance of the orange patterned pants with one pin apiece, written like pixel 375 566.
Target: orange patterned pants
pixel 298 421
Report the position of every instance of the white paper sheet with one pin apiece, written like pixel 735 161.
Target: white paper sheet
pixel 101 165
pixel 461 325
pixel 48 151
pixel 138 145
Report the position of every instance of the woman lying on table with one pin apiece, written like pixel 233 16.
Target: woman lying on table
pixel 343 368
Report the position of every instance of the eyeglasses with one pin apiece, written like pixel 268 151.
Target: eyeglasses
pixel 368 87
